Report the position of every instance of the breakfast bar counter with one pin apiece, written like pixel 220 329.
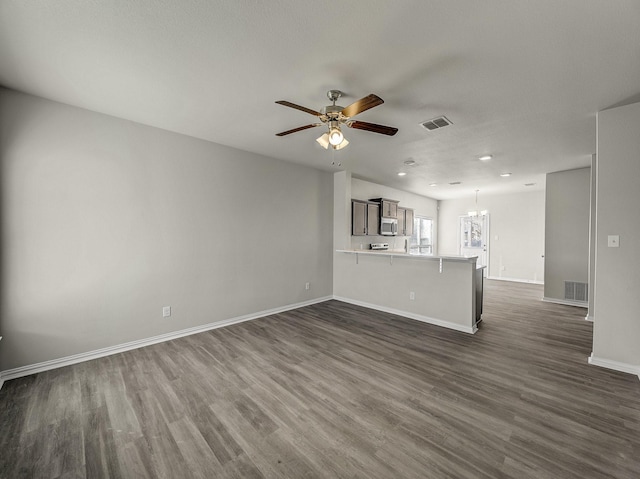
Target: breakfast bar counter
pixel 441 290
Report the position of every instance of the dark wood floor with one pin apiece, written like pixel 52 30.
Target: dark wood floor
pixel 334 390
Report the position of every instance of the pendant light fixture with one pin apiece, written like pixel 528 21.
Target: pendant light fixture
pixel 477 212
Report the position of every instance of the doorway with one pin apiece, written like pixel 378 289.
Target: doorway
pixel 474 239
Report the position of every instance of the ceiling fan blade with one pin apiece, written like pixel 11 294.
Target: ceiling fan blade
pixel 300 128
pixel 363 125
pixel 298 107
pixel 362 104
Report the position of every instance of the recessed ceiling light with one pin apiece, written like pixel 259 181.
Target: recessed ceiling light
pixel 433 184
pixel 505 174
pixel 410 162
pixel 401 173
pixel 485 158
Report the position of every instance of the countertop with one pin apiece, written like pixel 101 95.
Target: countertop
pixel 403 254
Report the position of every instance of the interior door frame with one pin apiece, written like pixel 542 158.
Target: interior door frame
pixel 486 236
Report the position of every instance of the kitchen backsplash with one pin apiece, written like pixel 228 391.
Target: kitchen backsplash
pixel 396 243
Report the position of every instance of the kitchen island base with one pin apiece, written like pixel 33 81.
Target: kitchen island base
pixel 440 290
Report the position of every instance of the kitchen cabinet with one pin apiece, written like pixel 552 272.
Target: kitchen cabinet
pixel 373 219
pixel 365 218
pixel 408 222
pixel 389 208
pixel 405 221
pixel 358 218
pixel 401 214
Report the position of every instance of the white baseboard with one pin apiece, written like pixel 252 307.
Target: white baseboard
pixel 515 280
pixel 588 317
pixel 566 302
pixel 615 365
pixel 406 314
pixel 140 343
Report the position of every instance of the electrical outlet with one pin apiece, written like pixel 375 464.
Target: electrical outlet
pixel 306 286
pixel 412 295
pixel 166 311
pixel 502 268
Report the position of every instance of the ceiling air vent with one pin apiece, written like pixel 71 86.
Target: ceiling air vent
pixel 436 123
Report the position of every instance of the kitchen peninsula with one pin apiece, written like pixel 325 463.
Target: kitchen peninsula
pixel 441 290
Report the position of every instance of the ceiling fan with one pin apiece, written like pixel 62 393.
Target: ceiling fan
pixel 333 116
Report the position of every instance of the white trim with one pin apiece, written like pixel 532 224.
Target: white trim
pixel 615 365
pixel 515 280
pixel 406 314
pixel 588 317
pixel 140 343
pixel 566 302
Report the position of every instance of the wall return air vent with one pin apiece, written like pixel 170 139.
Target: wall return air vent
pixel 435 123
pixel 575 291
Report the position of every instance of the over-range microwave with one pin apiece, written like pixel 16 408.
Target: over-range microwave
pixel 388 226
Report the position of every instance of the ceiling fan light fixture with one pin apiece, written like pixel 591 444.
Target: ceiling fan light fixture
pixel 335 136
pixel 323 141
pixel 333 116
pixel 341 145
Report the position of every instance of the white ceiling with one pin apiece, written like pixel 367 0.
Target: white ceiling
pixel 521 80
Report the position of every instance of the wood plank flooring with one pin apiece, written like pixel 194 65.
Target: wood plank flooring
pixel 335 390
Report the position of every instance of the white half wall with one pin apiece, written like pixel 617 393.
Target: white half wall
pixel 422 288
pixel 616 332
pixel 516 242
pixel 105 221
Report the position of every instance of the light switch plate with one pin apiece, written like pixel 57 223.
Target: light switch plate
pixel 613 241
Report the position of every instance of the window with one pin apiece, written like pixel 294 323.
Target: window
pixel 422 238
pixel 471 229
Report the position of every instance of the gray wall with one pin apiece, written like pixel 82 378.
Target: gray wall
pixel 616 335
pixel 516 232
pixel 105 221
pixel 567 230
